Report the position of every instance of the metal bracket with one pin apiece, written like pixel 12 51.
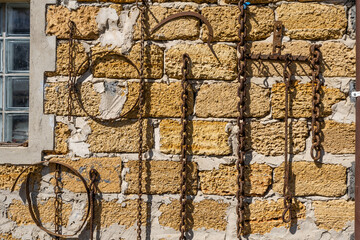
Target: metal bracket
pixel 277 40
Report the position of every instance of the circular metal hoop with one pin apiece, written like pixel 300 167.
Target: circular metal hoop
pixel 102 54
pixel 31 207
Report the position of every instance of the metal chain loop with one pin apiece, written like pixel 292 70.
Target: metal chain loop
pixel 58 200
pixel 185 70
pixel 71 66
pixel 316 87
pixel 286 189
pixel 240 163
pixel 143 10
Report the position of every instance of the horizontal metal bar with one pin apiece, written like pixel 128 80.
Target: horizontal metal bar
pixel 297 58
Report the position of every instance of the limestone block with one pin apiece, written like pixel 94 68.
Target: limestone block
pixel 62 60
pixel 220 100
pixel 300 100
pixel 334 214
pixel 310 179
pixel 208 214
pixel 205 138
pixel 9 173
pixel 269 139
pixel 115 66
pixel 339 138
pixel 222 181
pixel 160 177
pixel 182 28
pixel 62 134
pixel 57 95
pixel 312 21
pixel 204 65
pixel 58 17
pixel 262 216
pixel 224 20
pixel 109 170
pixel 120 136
pixel 19 212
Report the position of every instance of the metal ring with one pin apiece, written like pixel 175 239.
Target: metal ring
pixel 30 204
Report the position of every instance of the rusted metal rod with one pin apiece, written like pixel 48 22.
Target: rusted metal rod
pixel 293 58
pixel 357 144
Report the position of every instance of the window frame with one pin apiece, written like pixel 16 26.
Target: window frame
pixel 42 59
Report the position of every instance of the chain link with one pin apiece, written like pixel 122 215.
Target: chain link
pixel 71 66
pixel 142 9
pixel 94 177
pixel 185 70
pixel 58 200
pixel 286 188
pixel 240 164
pixel 316 87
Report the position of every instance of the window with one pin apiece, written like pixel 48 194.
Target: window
pixel 22 80
pixel 14 72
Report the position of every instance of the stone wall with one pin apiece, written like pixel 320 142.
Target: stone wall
pixel 324 192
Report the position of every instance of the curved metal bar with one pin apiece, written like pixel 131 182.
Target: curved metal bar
pixel 190 14
pixel 101 54
pixel 30 204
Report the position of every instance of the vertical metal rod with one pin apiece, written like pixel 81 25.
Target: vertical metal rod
pixel 357 145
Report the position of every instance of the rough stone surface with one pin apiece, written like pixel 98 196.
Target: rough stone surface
pixel 338 60
pixel 268 139
pixel 221 181
pixel 300 100
pixel 205 138
pixel 339 138
pixel 310 179
pixel 312 21
pixel 109 170
pixel 208 214
pixel 120 136
pixel 334 214
pixel 204 65
pixel 220 100
pixel 161 99
pixel 195 1
pixel 62 60
pixel 62 134
pixel 160 177
pixel 84 17
pixel 224 20
pixel 262 216
pixel 114 65
pixel 112 1
pixel 124 213
pixel 57 95
pixel 19 212
pixel 9 173
pixel 182 28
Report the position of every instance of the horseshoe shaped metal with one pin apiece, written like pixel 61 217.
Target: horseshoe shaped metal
pixel 190 14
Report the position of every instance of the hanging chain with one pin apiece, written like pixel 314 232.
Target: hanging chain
pixel 316 86
pixel 58 200
pixel 141 112
pixel 94 176
pixel 286 189
pixel 185 70
pixel 71 67
pixel 240 164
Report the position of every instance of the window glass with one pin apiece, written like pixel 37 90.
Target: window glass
pixel 17 91
pixel 16 127
pixel 17 55
pixel 18 19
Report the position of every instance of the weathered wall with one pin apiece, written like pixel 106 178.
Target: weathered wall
pixel 324 192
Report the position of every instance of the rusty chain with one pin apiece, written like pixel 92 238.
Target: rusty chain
pixel 286 188
pixel 94 177
pixel 71 66
pixel 58 200
pixel 143 9
pixel 240 163
pixel 185 70
pixel 316 87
